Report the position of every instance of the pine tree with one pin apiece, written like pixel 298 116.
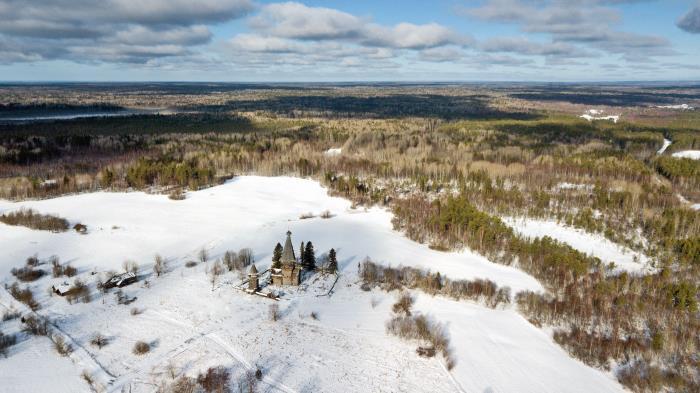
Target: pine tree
pixel 309 257
pixel 332 261
pixel 301 253
pixel 277 257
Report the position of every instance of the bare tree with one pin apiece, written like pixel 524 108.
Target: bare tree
pixel 159 265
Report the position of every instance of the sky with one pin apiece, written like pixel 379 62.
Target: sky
pixel 345 40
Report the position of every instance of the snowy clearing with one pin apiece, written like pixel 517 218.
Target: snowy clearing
pixel 692 154
pixel 190 326
pixel 592 244
pixel 684 107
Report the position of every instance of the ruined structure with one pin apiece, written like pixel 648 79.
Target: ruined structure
pixel 290 273
pixel 253 279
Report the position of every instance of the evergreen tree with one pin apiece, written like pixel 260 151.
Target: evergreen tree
pixel 301 253
pixel 309 257
pixel 332 261
pixel 277 257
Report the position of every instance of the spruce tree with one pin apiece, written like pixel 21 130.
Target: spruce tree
pixel 332 261
pixel 301 253
pixel 309 259
pixel 277 257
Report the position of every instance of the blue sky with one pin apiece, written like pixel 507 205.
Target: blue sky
pixel 342 40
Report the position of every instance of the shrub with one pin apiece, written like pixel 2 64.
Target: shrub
pixel 24 295
pixel 326 214
pixel 10 315
pixel 80 228
pixel 190 264
pixel 305 216
pixel 184 385
pixel 203 255
pixel 79 291
pixel 32 219
pixel 404 304
pixel 141 348
pixel 159 265
pixel 99 341
pixel 6 341
pixel 177 195
pixel 70 271
pixel 273 312
pixel 87 378
pixel 38 326
pixel 61 346
pixel 216 379
pixel 422 328
pixel 27 273
pixel 33 261
pixel 136 311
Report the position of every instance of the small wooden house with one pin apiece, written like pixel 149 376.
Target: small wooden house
pixel 61 289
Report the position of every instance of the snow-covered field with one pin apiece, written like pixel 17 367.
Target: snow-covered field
pixel 593 244
pixel 192 326
pixel 692 154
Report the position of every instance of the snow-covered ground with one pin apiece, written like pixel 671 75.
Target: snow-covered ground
pixel 333 152
pixel 667 143
pixel 191 326
pixel 692 154
pixel 684 107
pixel 593 244
pixel 592 114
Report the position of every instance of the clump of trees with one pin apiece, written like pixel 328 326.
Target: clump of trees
pixel 6 341
pixel 389 278
pixel 421 328
pixel 31 219
pixel 24 295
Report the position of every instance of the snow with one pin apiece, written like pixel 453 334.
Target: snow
pixel 593 244
pixel 591 115
pixel 667 143
pixel 574 186
pixel 692 154
pixel 245 212
pixel 192 325
pixel 684 107
pixel 333 152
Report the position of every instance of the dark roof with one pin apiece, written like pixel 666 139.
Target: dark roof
pixel 253 270
pixel 288 251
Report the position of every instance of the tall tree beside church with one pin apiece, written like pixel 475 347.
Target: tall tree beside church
pixel 301 253
pixel 309 257
pixel 332 261
pixel 277 256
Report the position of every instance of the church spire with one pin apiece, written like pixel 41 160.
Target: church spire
pixel 288 251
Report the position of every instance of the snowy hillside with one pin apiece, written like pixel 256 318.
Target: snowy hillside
pixel 319 344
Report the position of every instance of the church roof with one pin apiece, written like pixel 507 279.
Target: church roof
pixel 253 270
pixel 288 251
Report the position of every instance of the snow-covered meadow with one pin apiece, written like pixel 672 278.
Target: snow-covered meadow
pixel 192 326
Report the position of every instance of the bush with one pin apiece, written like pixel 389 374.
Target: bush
pixel 6 341
pixel 190 264
pixel 423 329
pixel 216 379
pixel 70 271
pixel 305 216
pixel 141 348
pixel 38 326
pixel 184 385
pixel 404 304
pixel 99 341
pixel 24 295
pixel 159 265
pixel 27 273
pixel 32 219
pixel 61 346
pixel 10 315
pixel 326 214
